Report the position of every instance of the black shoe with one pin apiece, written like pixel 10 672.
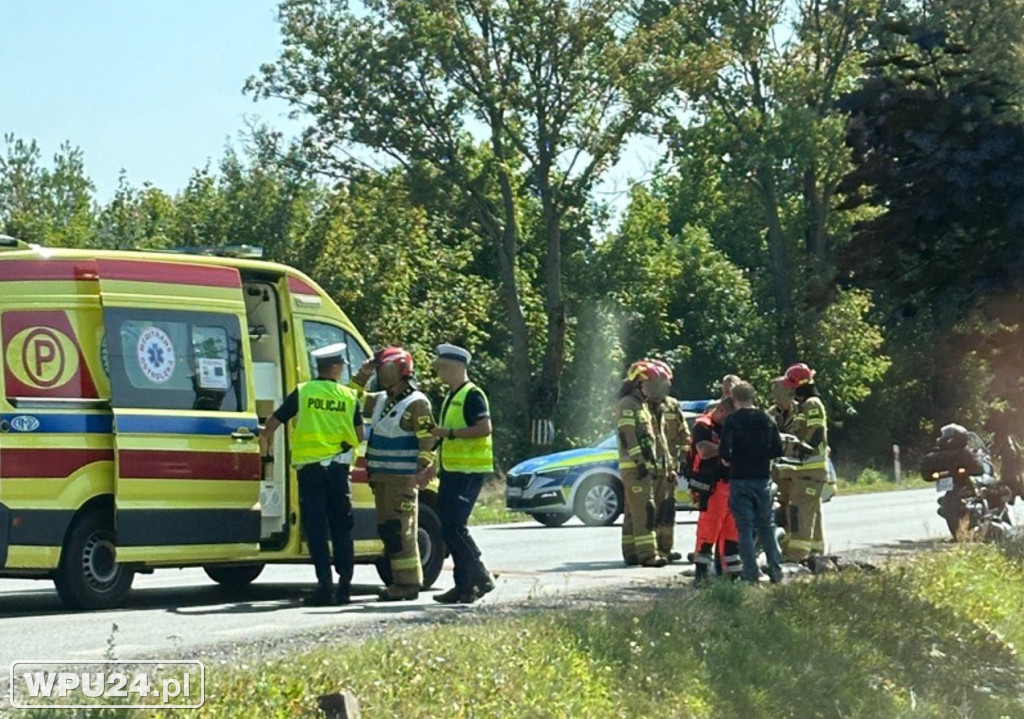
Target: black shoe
pixel 341 597
pixel 455 595
pixel 449 597
pixel 318 598
pixel 673 556
pixel 486 585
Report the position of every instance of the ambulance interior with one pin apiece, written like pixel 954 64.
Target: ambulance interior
pixel 262 306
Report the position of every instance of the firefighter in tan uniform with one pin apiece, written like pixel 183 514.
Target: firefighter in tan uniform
pixel 399 461
pixel 637 462
pixel 782 411
pixel 805 535
pixel 673 443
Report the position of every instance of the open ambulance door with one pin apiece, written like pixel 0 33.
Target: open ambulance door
pixel 185 429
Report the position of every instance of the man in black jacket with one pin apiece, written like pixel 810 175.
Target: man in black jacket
pixel 750 440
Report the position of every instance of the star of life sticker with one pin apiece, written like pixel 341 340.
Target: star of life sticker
pixel 156 355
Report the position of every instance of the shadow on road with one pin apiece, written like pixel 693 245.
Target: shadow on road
pixel 520 526
pixel 266 597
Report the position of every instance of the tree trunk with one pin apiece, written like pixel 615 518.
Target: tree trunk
pixel 816 230
pixel 508 248
pixel 780 268
pixel 548 388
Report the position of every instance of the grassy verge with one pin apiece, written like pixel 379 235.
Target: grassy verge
pixel 490 507
pixel 871 480
pixel 932 637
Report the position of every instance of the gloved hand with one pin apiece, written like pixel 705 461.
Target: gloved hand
pixel 642 471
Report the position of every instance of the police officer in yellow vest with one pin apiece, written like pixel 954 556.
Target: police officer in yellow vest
pixel 328 429
pixel 466 457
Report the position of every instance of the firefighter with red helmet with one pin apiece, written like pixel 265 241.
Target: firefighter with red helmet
pixel 805 534
pixel 673 438
pixel 399 461
pixel 638 465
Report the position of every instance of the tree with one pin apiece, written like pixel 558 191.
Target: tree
pixel 45 205
pixel 768 126
pixel 553 88
pixel 937 147
pixel 136 219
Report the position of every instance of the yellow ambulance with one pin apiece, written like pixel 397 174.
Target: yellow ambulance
pixel 133 389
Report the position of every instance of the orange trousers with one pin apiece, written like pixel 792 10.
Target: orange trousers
pixel 717 528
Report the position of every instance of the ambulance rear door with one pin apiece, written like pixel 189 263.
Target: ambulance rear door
pixel 185 428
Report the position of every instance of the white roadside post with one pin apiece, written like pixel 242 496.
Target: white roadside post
pixel 897 470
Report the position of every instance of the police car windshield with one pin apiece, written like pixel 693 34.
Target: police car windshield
pixel 609 443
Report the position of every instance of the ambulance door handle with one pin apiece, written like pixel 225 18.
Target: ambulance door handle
pixel 243 434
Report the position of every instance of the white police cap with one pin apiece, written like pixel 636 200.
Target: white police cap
pixel 330 352
pixel 454 352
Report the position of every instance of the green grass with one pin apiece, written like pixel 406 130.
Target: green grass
pixel 871 480
pixel 930 638
pixel 490 507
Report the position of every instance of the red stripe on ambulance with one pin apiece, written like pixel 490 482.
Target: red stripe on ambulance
pixel 30 270
pixel 18 463
pixel 175 273
pixel 164 464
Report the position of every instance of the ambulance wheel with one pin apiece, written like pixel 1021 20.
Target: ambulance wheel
pixel 552 519
pixel 599 501
pixel 236 576
pixel 432 549
pixel 89 576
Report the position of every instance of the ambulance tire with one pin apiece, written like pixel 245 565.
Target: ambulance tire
pixel 238 576
pixel 88 576
pixel 599 501
pixel 432 549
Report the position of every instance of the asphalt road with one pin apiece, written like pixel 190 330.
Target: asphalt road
pixel 174 610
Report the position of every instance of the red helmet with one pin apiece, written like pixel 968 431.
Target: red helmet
pixel 642 369
pixel 399 357
pixel 663 369
pixel 798 375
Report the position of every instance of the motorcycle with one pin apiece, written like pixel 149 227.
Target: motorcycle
pixel 974 500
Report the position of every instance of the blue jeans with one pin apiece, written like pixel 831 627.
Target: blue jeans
pixel 751 503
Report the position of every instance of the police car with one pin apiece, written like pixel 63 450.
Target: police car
pixel 583 482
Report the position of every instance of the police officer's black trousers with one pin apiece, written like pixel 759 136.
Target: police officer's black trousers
pixel 455 500
pixel 325 501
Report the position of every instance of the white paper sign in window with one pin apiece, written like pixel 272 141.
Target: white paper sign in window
pixel 213 373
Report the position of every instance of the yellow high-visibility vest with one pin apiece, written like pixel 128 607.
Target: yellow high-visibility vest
pixel 463 455
pixel 326 419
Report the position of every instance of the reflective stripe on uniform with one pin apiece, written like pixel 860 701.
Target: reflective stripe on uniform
pixel 405 563
pixel 391 449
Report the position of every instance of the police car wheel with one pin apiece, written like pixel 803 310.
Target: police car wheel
pixel 89 576
pixel 234 576
pixel 599 501
pixel 552 519
pixel 432 549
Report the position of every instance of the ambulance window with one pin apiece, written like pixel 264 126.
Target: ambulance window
pixel 176 360
pixel 320 335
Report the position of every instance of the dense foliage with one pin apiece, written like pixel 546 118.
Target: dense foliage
pixel 839 184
